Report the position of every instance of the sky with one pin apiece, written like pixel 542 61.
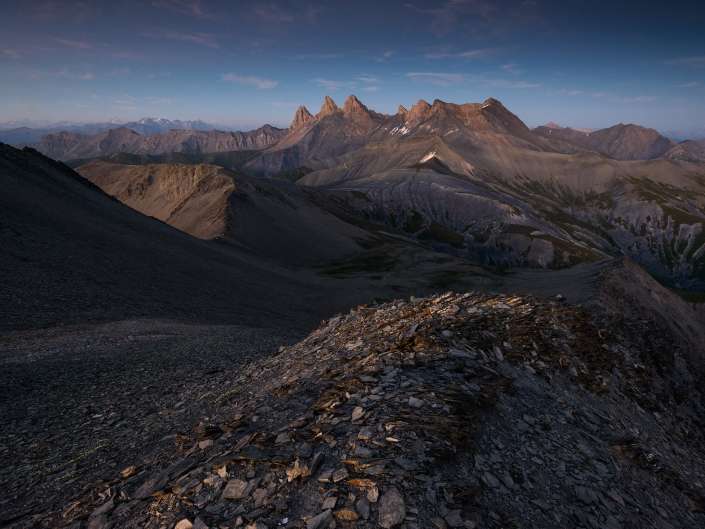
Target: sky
pixel 243 64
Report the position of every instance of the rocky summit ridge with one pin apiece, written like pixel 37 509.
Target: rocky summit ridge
pixel 460 410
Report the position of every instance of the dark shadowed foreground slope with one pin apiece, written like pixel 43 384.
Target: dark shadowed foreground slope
pixel 72 253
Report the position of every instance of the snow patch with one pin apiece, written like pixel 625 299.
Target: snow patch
pixel 400 130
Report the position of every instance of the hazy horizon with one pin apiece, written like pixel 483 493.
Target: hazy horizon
pixel 580 65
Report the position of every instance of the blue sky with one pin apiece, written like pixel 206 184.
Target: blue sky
pixel 577 63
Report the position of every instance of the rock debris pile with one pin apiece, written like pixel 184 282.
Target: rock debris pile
pixel 472 410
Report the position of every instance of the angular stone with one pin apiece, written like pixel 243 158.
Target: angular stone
pixel 205 444
pixel 392 510
pixel 339 475
pixel 358 413
pixel 106 508
pixel 364 483
pixel 151 486
pixel 347 514
pixel 498 353
pixel 600 469
pixel 415 403
pixel 325 476
pixel 282 438
pixel 453 518
pixel 329 503
pixel 234 490
pixel 586 495
pixel 361 451
pixel 99 522
pixel 438 523
pixel 373 495
pixel 490 481
pixel 507 480
pixel 321 521
pixel 404 463
pixel 363 507
pixel 199 524
pixel 366 434
pixel 545 507
pixel 184 524
pixel 303 468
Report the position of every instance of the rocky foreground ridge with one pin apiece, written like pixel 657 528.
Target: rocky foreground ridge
pixel 472 410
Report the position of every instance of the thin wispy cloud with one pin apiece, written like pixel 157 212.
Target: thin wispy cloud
pixel 614 98
pixel 204 39
pixel 571 93
pixel 284 104
pixel 371 89
pixel 81 77
pixel 74 44
pixel 10 53
pixel 187 7
pixel 511 67
pixel 273 18
pixel 480 17
pixel 332 85
pixel 303 56
pixel 687 85
pixel 467 55
pixel 258 82
pixel 455 79
pixel 439 79
pixel 385 56
pixel 500 83
pixel 163 100
pixel 118 72
pixel 690 62
pixel 71 11
pixel 368 79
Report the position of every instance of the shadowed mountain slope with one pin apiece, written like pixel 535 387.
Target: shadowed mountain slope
pixel 520 207
pixel 272 218
pixel 623 142
pixel 72 253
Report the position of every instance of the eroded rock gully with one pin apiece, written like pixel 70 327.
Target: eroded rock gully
pixel 470 410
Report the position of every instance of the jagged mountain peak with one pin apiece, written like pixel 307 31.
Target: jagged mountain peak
pixel 301 117
pixel 354 106
pixel 329 107
pixel 552 125
pixel 401 110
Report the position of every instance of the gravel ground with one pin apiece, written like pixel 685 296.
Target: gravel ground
pixel 85 401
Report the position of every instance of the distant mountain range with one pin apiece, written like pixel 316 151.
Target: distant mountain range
pixel 27 131
pixel 626 142
pixel 470 180
pixel 71 145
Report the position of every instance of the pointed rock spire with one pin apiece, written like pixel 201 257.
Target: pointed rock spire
pixel 329 107
pixel 302 116
pixel 353 106
pixel 401 110
pixel 419 111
